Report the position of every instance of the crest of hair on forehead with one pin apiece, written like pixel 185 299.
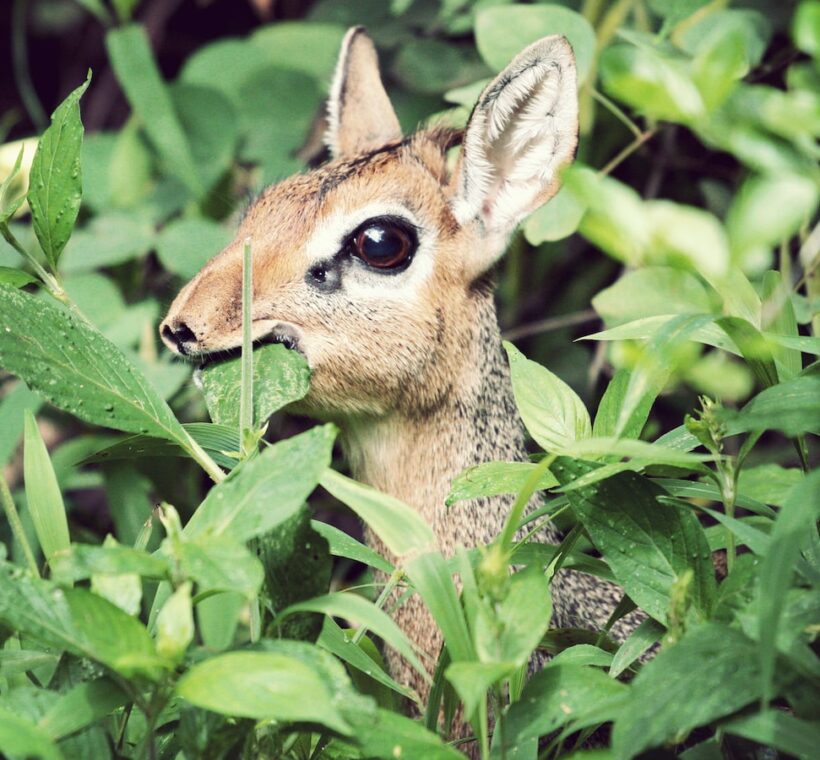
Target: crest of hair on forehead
pixel 523 130
pixel 360 116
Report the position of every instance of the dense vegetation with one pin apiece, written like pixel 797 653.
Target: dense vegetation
pixel 148 610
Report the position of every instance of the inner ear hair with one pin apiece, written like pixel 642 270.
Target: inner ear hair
pixel 360 115
pixel 523 129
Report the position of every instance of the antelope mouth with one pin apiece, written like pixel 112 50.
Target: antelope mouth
pixel 283 333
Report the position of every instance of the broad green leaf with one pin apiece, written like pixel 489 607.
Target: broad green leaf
pixel 217 563
pixel 805 27
pixel 285 42
pixel 615 220
pixel 185 245
pixel 779 315
pixel 757 541
pixel 10 202
pixel 649 545
pixel 391 735
pixel 711 672
pixel 77 621
pixel 225 65
pixel 86 703
pixel 399 526
pixel 45 501
pixel 557 695
pixel 797 520
pixel 653 453
pixel 780 730
pixel 431 66
pixel 651 291
pixel 656 362
pixel 175 624
pixel 511 629
pixel 281 376
pixel 343 545
pixel 503 32
pixel 494 479
pixel 792 408
pixel 609 409
pixel 74 367
pixel 675 11
pixel 262 686
pixel 97 297
pixel 333 639
pixel 211 126
pixel 472 680
pixel 433 581
pixel 265 490
pixel 22 738
pixel 55 185
pixel 769 483
pixel 217 618
pixel 17 278
pixel 137 72
pixel 297 564
pixel 556 220
pixel 16 661
pixel 769 209
pixel 688 236
pixel 651 81
pixel 359 610
pixel 647 634
pixel 552 412
pixel 111 238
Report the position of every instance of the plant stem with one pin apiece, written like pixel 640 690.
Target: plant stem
pixel 19 48
pixel 246 395
pixel 507 536
pixel 203 459
pixel 16 526
pixel 627 152
pixel 50 281
pixel 616 112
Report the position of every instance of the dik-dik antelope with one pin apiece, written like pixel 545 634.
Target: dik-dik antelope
pixel 377 267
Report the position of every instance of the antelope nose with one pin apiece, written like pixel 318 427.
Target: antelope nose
pixel 178 336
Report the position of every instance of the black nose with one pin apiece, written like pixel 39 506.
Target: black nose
pixel 181 336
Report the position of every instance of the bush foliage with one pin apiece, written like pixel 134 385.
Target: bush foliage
pixel 210 628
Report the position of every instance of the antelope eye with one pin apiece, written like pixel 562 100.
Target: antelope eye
pixel 384 244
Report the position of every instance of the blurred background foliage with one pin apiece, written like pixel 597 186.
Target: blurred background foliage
pixel 696 175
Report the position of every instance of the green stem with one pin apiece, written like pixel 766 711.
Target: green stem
pixel 728 491
pixel 627 152
pixel 203 459
pixel 19 48
pixel 616 112
pixel 246 396
pixel 505 540
pixel 16 526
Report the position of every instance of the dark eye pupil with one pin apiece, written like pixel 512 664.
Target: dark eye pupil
pixel 383 245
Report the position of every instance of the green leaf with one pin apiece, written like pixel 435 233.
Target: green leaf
pixel 805 27
pixel 21 738
pixel 77 369
pixel 17 278
pixel 266 490
pixel 133 62
pixel 333 639
pixel 503 32
pixel 555 220
pixel 769 483
pixel 648 545
pixel 185 245
pixel 797 520
pixel 392 735
pixel 45 501
pixel 557 695
pixel 651 291
pixel 81 561
pixel 111 238
pixel 55 185
pixel 781 320
pixel 82 706
pixel 792 408
pixel 552 412
pixel 280 377
pixel 609 409
pixel 77 621
pixel 218 563
pixel 647 634
pixel 285 42
pixel 399 526
pixel 175 624
pixel 494 479
pixel 297 566
pixel 16 661
pixel 15 402
pixel 652 81
pixel 343 545
pixel 472 680
pixel 9 205
pixel 780 730
pixel 711 672
pixel 262 686
pixel 359 610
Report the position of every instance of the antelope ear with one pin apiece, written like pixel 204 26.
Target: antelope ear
pixel 523 129
pixel 360 116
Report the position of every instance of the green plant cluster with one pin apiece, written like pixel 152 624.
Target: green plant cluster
pixel 215 634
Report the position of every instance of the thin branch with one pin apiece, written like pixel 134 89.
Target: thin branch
pixel 550 324
pixel 627 151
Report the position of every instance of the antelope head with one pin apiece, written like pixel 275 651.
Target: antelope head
pixel 372 265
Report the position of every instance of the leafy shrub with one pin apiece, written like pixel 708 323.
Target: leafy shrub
pixel 217 638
